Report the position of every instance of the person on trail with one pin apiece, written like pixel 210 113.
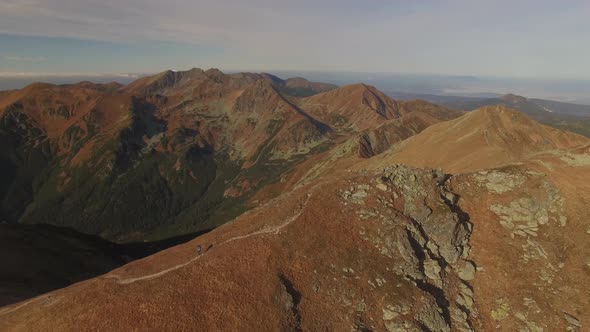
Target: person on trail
pixel 199 249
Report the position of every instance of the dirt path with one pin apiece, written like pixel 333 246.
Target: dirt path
pixel 8 310
pixel 265 230
pixel 51 297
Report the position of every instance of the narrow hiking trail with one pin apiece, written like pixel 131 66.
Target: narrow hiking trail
pixel 51 298
pixel 263 231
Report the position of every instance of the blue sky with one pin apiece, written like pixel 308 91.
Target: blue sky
pixel 58 54
pixel 465 37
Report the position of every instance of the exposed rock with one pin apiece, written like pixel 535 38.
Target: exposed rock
pixel 389 313
pixel 522 217
pixel 533 250
pixel 576 159
pixel 572 320
pixel 502 311
pixel 432 271
pixel 411 267
pixel 359 194
pixel 382 187
pixel 447 234
pixel 562 221
pixel 452 198
pixel 436 238
pixel 530 325
pixel 465 296
pixel 401 327
pixel 499 182
pixel 432 319
pixel 460 321
pixel 467 271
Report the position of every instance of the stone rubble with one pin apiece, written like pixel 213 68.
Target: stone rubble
pixel 499 182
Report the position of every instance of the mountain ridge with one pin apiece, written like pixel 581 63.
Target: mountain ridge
pixel 488 137
pixel 100 141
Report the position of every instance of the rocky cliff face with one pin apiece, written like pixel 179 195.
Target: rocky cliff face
pixel 432 249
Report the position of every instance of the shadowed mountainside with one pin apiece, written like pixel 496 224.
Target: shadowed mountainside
pixel 178 152
pixel 36 259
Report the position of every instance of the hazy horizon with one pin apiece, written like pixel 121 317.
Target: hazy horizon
pixel 565 90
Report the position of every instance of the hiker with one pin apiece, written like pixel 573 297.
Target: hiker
pixel 199 249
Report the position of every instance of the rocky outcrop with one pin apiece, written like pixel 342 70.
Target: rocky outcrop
pixel 525 215
pixel 427 236
pixel 435 246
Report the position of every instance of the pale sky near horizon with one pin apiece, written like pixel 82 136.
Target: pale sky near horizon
pixel 465 37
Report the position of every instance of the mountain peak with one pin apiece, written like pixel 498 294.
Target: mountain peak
pixel 161 82
pixel 490 136
pixel 358 88
pixel 499 116
pixel 261 94
pixel 513 99
pixel 354 97
pixel 37 86
pixel 214 73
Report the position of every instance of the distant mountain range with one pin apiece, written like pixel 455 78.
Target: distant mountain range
pixel 567 116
